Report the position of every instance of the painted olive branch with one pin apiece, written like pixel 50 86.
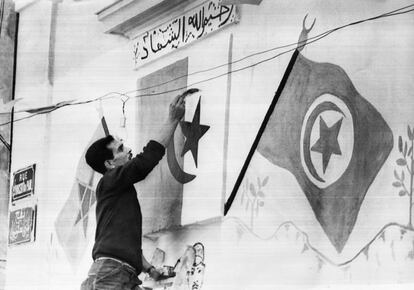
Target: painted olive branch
pixel 254 196
pixel 407 162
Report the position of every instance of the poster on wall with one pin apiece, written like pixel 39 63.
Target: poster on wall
pixel 22 225
pixel 23 183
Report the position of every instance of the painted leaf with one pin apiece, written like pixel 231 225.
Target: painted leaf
pixel 260 194
pixel 259 183
pixel 405 149
pixel 411 255
pixel 396 184
pixel 401 162
pixel 261 203
pixel 382 236
pixel 366 252
pixel 410 133
pixel 402 192
pixel 400 145
pixel 396 175
pixel 410 151
pixel 265 181
pixel 253 190
pixel 402 176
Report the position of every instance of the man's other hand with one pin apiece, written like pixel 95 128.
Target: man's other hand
pixel 154 274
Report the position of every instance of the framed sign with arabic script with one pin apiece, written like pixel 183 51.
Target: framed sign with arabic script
pixel 23 183
pixel 192 25
pixel 22 225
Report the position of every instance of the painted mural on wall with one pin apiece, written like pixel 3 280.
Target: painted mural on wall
pixel 343 143
pixel 192 25
pixel 332 142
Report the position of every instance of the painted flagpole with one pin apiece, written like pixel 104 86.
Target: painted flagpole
pixel 301 43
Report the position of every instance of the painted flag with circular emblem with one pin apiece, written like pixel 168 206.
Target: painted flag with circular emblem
pixel 331 139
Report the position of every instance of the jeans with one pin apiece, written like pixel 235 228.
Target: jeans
pixel 108 274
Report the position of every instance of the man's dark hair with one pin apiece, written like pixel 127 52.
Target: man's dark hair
pixel 98 153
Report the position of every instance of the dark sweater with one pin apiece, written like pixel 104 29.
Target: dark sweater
pixel 118 213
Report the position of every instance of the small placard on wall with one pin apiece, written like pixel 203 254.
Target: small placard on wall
pixel 23 183
pixel 22 225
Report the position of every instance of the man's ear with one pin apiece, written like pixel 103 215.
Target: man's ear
pixel 109 164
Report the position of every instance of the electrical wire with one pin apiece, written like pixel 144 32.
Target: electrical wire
pixel 303 44
pixel 399 11
pixel 390 13
pixel 309 40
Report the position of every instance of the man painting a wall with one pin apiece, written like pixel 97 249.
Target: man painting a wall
pixel 326 198
pixel 117 251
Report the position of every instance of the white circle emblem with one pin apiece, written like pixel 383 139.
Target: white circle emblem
pixel 326 140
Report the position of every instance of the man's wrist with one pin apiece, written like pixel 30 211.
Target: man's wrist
pixel 171 120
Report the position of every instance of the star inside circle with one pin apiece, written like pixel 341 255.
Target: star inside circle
pixel 327 144
pixel 193 132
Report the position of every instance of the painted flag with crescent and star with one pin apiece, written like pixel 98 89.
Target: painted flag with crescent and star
pixel 334 142
pixel 161 193
pixel 330 138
